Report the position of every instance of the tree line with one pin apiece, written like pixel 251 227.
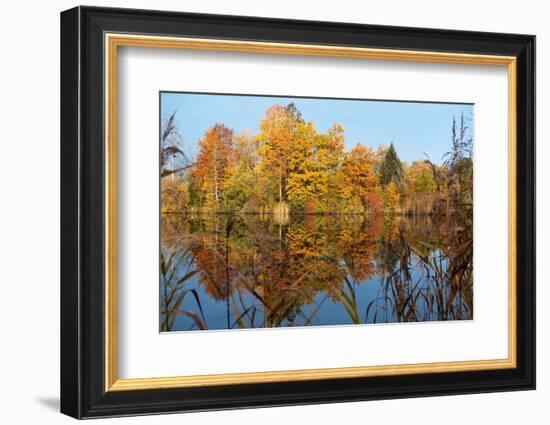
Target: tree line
pixel 289 167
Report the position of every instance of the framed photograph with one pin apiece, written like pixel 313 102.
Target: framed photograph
pixel 261 212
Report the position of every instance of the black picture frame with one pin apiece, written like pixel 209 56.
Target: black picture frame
pixel 83 392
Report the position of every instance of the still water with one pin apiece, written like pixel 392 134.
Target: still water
pixel 254 271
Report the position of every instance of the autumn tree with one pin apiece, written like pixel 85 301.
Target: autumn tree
pixel 419 188
pixel 304 177
pixel 313 158
pixel 391 197
pixel 242 187
pixel 330 153
pixel 175 195
pixel 419 178
pixel 216 153
pixel 357 168
pixel 277 131
pixel 246 150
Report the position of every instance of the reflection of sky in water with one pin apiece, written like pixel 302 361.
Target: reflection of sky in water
pixel 384 299
pixel 329 313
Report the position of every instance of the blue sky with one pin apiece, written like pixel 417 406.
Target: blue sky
pixel 413 127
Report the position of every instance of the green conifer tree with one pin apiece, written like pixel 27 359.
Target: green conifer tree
pixel 391 170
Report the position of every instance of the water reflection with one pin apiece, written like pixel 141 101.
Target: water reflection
pixel 248 271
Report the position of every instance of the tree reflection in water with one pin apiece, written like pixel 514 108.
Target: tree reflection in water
pixel 226 271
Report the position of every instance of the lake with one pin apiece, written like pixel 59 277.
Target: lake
pixel 235 271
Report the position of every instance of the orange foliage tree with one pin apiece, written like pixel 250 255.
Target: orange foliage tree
pixel 216 153
pixel 358 168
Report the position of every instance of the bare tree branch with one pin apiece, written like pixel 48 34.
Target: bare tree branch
pixel 165 172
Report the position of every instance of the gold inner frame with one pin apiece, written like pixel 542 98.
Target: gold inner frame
pixel 113 41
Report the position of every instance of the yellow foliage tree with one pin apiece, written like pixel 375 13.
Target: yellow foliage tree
pixel 358 167
pixel 391 197
pixel 275 138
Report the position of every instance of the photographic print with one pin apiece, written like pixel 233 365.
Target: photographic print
pixel 315 200
pixel 294 211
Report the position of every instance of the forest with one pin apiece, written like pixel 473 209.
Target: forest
pixel 289 167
